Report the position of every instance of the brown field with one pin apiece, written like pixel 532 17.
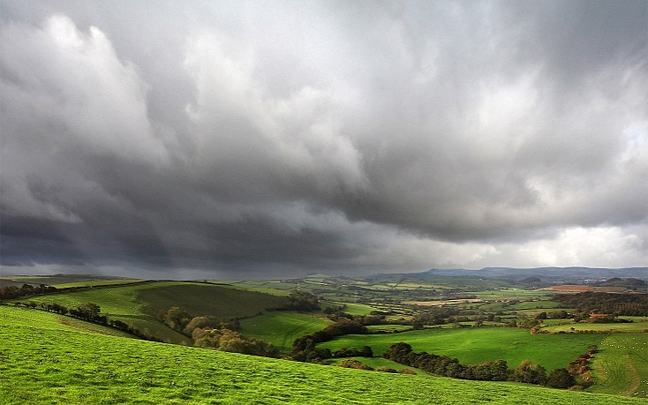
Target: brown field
pixel 570 288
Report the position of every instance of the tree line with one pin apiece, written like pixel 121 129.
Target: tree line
pixel 90 312
pixel 605 303
pixel 304 348
pixel 10 292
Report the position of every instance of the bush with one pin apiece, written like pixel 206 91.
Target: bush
pixel 350 363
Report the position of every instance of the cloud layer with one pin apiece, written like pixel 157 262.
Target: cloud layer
pixel 254 138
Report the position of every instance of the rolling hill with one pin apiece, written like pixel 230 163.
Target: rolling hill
pixel 46 361
pixel 138 304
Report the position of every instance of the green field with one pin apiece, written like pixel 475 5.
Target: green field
pixel 599 327
pixel 53 322
pixel 477 345
pixel 97 283
pixel 509 294
pixel 138 304
pixel 281 328
pixel 274 287
pixel 621 365
pixel 379 362
pixel 358 309
pixel 66 280
pixel 388 328
pixel 45 362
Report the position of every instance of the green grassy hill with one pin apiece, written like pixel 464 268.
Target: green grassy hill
pixel 281 328
pixel 621 364
pixel 44 361
pixel 65 280
pixel 138 304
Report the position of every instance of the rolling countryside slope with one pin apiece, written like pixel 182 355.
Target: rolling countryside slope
pixel 138 304
pixel 281 328
pixel 45 361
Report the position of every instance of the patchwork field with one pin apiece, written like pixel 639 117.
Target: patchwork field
pixel 46 362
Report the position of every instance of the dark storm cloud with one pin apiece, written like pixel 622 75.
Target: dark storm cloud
pixel 334 136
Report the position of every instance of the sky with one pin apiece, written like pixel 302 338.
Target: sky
pixel 251 139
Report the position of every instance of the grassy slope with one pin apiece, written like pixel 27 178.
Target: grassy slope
pixel 621 365
pixel 604 327
pixel 138 304
pixel 282 328
pixel 476 345
pixel 378 362
pixel 119 303
pixel 205 299
pixel 96 283
pixel 66 280
pixel 45 320
pixel 46 363
pixel 358 309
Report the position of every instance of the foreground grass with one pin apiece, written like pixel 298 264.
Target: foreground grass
pixel 44 362
pixel 477 345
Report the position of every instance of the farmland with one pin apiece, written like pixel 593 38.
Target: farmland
pixel 621 365
pixel 461 321
pixel 46 362
pixel 477 345
pixel 281 328
pixel 138 304
pixel 67 280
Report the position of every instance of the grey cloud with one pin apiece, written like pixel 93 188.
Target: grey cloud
pixel 337 136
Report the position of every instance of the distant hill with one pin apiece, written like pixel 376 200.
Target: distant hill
pixel 547 274
pixel 623 282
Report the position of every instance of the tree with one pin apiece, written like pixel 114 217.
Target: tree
pixel 530 373
pixel 176 318
pixel 398 352
pixel 303 301
pixel 201 322
pixel 559 315
pixel 89 310
pixel 560 378
pixel 345 327
pixel 541 315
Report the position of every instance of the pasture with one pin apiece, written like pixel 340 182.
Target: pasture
pixel 375 362
pixel 281 328
pixel 46 362
pixel 97 283
pixel 138 304
pixel 621 364
pixel 477 345
pixel 599 327
pixel 65 280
